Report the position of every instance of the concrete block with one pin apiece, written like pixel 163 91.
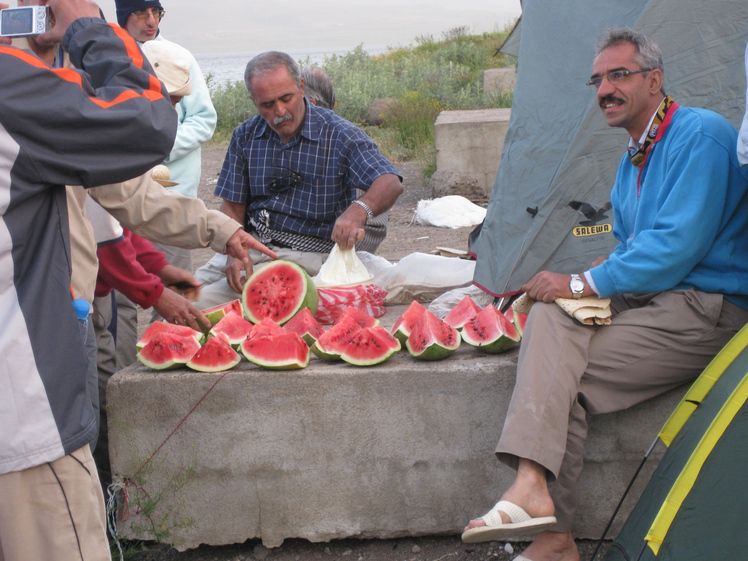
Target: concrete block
pixel 496 80
pixel 471 142
pixel 334 451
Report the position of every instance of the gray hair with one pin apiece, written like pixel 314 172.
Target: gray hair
pixel 318 87
pixel 267 62
pixel 649 55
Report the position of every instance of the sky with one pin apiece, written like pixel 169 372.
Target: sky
pixel 245 25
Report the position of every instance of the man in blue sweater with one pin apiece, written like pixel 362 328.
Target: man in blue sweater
pixel 678 283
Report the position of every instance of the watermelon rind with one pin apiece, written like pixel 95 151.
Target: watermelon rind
pixel 216 355
pixel 405 322
pixel 517 319
pixel 432 338
pixel 331 344
pixel 305 324
pixel 372 345
pixel 490 332
pixel 215 314
pixel 287 351
pixel 165 327
pixel 267 292
pixel 233 329
pixel 463 311
pixel 167 350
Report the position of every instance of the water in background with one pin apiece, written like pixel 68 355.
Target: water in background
pixel 229 67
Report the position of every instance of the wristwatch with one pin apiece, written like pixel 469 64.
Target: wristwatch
pixel 577 286
pixel 362 204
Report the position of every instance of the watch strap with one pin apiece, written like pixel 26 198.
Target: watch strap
pixel 362 204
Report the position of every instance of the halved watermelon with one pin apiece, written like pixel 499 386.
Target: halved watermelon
pixel 168 350
pixel 287 351
pixel 278 291
pixel 216 313
pixel 233 329
pixel 164 327
pixel 405 322
pixel 332 343
pixel 372 345
pixel 359 316
pixel 432 338
pixel 490 331
pixel 463 311
pixel 216 355
pixel 517 319
pixel 306 326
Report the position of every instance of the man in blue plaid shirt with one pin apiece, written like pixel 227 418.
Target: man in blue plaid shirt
pixel 290 175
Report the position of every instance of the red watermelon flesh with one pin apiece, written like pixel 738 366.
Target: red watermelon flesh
pixel 278 291
pixel 405 322
pixel 265 328
pixel 517 319
pixel 287 351
pixel 168 350
pixel 432 338
pixel 216 355
pixel 372 345
pixel 306 326
pixel 216 313
pixel 490 331
pixel 332 343
pixel 463 311
pixel 233 329
pixel 164 327
pixel 360 317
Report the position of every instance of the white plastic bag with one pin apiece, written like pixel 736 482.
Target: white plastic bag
pixel 442 305
pixel 342 268
pixel 452 211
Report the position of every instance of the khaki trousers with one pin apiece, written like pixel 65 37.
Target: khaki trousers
pixel 567 370
pixel 54 512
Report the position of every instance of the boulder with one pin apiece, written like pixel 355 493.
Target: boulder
pixel 379 108
pixel 450 182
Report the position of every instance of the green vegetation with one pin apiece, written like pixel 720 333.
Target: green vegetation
pixel 425 79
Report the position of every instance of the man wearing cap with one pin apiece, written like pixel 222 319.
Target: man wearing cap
pixel 291 173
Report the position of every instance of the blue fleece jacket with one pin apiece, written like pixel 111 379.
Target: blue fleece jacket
pixel 686 225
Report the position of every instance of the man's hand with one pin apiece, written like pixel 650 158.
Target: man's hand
pixel 349 227
pixel 65 12
pixel 180 281
pixel 237 273
pixel 177 309
pixel 241 242
pixel 547 286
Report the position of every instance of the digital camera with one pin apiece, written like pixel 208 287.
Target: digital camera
pixel 21 22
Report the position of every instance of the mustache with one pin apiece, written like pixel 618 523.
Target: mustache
pixel 279 120
pixel 609 99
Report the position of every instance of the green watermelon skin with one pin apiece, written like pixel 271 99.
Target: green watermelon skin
pixel 216 355
pixel 216 313
pixel 287 351
pixel 490 332
pixel 167 350
pixel 372 345
pixel 331 345
pixel 278 291
pixel 432 339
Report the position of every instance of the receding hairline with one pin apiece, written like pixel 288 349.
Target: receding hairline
pixel 270 61
pixel 648 53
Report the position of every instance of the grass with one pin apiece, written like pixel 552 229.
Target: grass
pixel 424 79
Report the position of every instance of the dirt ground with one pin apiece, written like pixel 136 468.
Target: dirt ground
pixel 404 237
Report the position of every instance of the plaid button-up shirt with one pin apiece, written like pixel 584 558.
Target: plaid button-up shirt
pixel 313 176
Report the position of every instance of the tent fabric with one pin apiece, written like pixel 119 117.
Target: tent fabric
pixel 547 210
pixel 695 504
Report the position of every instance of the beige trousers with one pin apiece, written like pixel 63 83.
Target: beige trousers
pixel 54 512
pixel 567 370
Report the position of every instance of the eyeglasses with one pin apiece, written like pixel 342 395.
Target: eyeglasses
pixel 286 182
pixel 614 78
pixel 145 14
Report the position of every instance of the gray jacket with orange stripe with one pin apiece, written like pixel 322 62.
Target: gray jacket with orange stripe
pixel 107 124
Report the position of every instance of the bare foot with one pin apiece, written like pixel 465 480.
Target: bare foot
pixel 552 546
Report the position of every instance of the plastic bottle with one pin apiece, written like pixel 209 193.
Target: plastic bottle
pixel 82 307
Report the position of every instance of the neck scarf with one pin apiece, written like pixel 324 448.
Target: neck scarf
pixel 638 157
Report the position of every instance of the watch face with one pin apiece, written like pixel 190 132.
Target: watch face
pixel 576 285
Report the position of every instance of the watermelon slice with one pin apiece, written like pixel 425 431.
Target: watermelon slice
pixel 405 322
pixel 164 327
pixel 233 329
pixel 306 326
pixel 265 328
pixel 372 345
pixel 517 319
pixel 490 331
pixel 216 355
pixel 463 311
pixel 168 350
pixel 432 338
pixel 286 351
pixel 278 291
pixel 216 313
pixel 332 343
pixel 359 316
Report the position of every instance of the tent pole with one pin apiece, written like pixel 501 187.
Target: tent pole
pixel 625 493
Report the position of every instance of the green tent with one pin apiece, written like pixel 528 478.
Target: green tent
pixel 548 207
pixel 695 506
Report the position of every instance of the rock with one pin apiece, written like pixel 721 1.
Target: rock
pixel 415 549
pixel 379 108
pixel 260 552
pixel 450 182
pixel 508 548
pixel 347 552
